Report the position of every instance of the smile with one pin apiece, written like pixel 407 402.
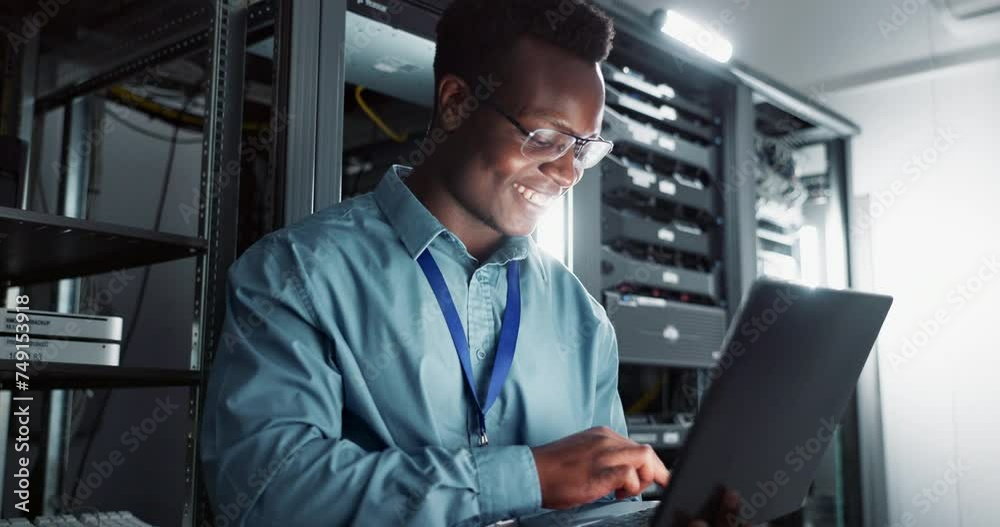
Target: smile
pixel 538 198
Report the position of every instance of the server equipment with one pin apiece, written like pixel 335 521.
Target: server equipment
pixel 623 175
pixel 661 332
pixel 650 225
pixel 61 337
pixel 662 230
pixel 622 129
pixel 648 431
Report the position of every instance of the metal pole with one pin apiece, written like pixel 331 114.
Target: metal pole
pixel 309 96
pixel 217 215
pixel 78 152
pixel 739 249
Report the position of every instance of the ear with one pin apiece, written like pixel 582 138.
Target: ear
pixel 452 91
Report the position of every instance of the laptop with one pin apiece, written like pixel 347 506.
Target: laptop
pixel 788 367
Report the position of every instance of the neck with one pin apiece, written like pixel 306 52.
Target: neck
pixel 480 239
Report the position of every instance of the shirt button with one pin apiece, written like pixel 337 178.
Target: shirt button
pixel 481 354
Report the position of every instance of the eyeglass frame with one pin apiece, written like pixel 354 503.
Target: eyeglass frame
pixel 578 143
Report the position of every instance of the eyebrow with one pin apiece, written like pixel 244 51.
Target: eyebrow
pixel 558 121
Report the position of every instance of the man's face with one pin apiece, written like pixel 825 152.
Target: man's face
pixel 544 87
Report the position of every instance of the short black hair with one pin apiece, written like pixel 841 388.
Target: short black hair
pixel 474 36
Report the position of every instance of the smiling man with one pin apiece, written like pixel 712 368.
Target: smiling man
pixel 409 356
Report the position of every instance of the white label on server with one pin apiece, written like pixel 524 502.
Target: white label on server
pixel 651 301
pixel 671 438
pixel 643 437
pixel 671 278
pixel 668 187
pixel 639 106
pixel 641 178
pixel 668 143
pixel 668 113
pixel 641 133
pixel 665 234
pixel 666 91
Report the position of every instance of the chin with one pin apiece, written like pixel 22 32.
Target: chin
pixel 517 227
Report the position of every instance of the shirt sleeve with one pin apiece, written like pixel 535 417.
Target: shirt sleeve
pixel 608 411
pixel 273 452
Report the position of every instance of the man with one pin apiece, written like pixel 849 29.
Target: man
pixel 357 378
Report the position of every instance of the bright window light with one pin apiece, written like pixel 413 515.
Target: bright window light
pixel 810 256
pixel 697 36
pixel 551 230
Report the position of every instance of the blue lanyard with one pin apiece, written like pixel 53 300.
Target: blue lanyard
pixel 508 333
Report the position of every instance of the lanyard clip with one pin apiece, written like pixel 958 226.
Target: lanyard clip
pixel 483 439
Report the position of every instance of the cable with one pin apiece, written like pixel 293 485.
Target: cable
pixel 154 108
pixel 173 116
pixel 150 133
pixel 399 138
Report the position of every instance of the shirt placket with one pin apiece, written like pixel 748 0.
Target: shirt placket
pixel 481 332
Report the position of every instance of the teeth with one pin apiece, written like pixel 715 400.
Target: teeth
pixel 531 195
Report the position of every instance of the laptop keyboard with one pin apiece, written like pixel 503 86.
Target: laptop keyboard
pixel 642 518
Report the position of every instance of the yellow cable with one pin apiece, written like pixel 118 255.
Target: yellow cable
pixel 375 118
pixel 645 400
pixel 167 112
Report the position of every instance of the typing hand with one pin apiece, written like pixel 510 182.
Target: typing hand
pixel 727 514
pixel 588 465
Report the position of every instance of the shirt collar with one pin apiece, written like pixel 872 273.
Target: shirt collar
pixel 417 227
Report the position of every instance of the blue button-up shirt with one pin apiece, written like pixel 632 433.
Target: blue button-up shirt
pixel 337 397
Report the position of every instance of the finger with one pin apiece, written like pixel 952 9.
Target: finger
pixel 611 479
pixel 647 472
pixel 623 479
pixel 660 473
pixel 631 485
pixel 639 456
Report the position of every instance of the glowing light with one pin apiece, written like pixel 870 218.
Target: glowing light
pixel 697 36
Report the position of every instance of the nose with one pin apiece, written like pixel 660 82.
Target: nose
pixel 563 170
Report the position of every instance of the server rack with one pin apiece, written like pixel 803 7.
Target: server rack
pixel 801 169
pixel 44 253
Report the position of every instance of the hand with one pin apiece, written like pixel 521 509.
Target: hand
pixel 727 515
pixel 588 465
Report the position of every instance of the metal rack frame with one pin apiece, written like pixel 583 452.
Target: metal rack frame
pixel 221 28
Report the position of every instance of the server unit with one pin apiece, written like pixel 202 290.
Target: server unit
pixel 662 332
pixel 650 235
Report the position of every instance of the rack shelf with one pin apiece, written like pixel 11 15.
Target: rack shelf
pixel 52 375
pixel 37 247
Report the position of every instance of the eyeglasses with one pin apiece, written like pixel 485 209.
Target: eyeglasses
pixel 547 145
